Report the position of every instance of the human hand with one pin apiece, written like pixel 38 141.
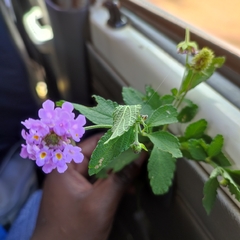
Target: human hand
pixel 73 208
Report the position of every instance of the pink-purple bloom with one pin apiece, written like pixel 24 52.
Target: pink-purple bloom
pixel 50 140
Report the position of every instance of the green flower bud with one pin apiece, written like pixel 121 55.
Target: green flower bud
pixel 202 60
pixel 52 139
pixel 187 46
pixel 137 147
pixel 224 182
pixel 144 117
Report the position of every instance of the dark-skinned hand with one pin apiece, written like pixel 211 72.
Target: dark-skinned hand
pixel 72 208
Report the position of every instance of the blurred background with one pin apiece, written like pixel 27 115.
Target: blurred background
pixel 220 19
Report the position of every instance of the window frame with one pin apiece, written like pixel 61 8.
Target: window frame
pixel 174 28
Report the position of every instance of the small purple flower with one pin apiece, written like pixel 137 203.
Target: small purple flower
pixel 47 114
pixel 24 153
pixel 77 129
pixel 72 153
pixel 62 124
pixel 43 156
pixel 50 139
pixel 48 167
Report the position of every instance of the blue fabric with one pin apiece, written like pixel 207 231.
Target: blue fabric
pixel 3 233
pixel 16 97
pixel 18 181
pixel 23 226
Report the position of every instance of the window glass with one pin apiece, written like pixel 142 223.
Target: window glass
pixel 220 19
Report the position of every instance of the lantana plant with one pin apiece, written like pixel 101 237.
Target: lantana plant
pixel 50 140
pixel 141 124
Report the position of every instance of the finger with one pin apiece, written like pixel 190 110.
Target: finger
pixel 116 184
pixel 89 144
pixel 87 147
pixel 81 168
pixel 71 180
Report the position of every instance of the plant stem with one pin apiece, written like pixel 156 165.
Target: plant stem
pixel 97 126
pixel 136 132
pixel 209 161
pixel 187 40
pixel 178 103
pixel 181 99
pixel 165 127
pixel 187 59
pixel 187 36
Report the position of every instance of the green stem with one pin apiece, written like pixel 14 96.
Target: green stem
pixel 181 99
pixel 187 36
pixel 136 132
pixel 178 103
pixel 209 161
pixel 187 59
pixel 165 127
pixel 97 126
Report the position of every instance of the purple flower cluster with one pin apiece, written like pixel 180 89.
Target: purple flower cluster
pixel 50 140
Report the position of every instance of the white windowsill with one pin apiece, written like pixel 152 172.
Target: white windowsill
pixel 141 62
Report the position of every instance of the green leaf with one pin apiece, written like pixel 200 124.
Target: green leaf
pixel 215 146
pixel 185 150
pixel 163 115
pixel 124 117
pixel 210 190
pixel 166 142
pixel 152 98
pixel 212 184
pixel 167 99
pixel 60 103
pixel 187 79
pixel 192 78
pixel 101 114
pixel 233 187
pixel 133 97
pixel 235 175
pixel 207 139
pixel 196 129
pixel 118 163
pixel 186 154
pixel 174 92
pixel 188 112
pixel 123 160
pixel 161 167
pixel 105 153
pixel 103 173
pixel 196 150
pixel 218 62
pixel 221 160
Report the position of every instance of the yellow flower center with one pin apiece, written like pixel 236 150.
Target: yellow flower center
pixel 43 155
pixel 36 137
pixel 59 156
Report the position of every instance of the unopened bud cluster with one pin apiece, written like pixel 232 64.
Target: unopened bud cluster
pixel 187 48
pixel 202 60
